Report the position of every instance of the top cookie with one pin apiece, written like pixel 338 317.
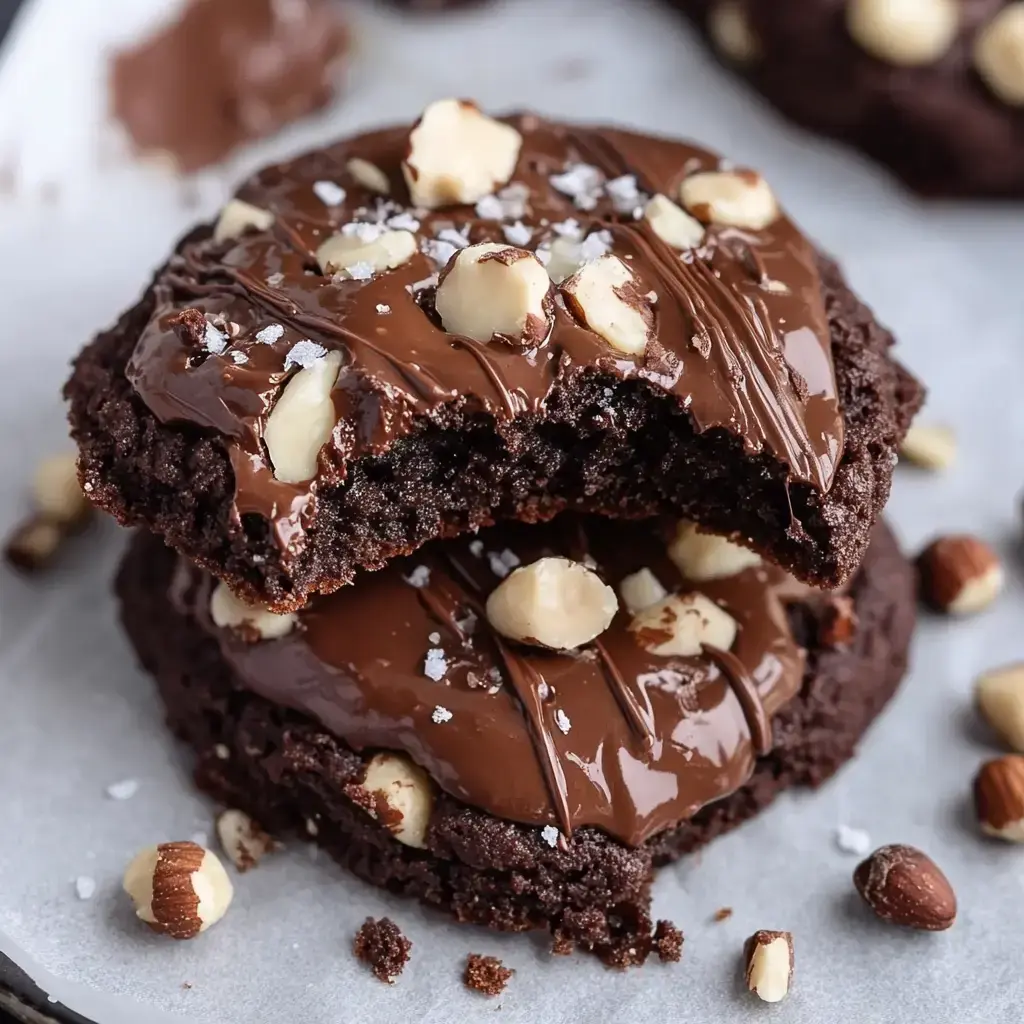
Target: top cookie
pixel 418 331
pixel 932 88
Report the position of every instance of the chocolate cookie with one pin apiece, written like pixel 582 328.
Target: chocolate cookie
pixel 412 334
pixel 397 722
pixel 226 72
pixel 933 88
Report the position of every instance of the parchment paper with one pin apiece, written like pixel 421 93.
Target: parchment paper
pixel 79 236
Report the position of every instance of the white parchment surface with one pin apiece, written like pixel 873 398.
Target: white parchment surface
pixel 78 237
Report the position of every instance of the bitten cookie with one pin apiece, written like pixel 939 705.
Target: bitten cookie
pixel 423 330
pixel 518 728
pixel 932 88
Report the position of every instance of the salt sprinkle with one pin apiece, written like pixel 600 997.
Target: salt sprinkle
pixel 275 280
pixel 568 228
pixel 85 887
pixel 270 334
pixel 562 721
pixel 364 232
pixel 440 715
pixel 550 835
pixel 238 358
pixel 419 577
pixel 403 221
pixel 123 790
pixel 468 624
pixel 853 840
pixel 222 751
pixel 514 199
pixel 581 182
pixel 383 308
pixel 304 353
pixel 435 665
pixel 476 547
pixel 517 234
pixel 625 194
pixel 329 193
pixel 490 208
pixel 419 286
pixel 503 562
pixel 434 638
pixel 215 341
pixel 440 252
pixel 595 245
pixel 457 238
pixel 361 271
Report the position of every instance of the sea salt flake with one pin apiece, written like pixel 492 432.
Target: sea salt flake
pixel 517 234
pixel 568 229
pixel 502 562
pixel 435 665
pixel 276 280
pixel 383 308
pixel 514 199
pixel 403 221
pixel 329 193
pixel 624 193
pixel 468 624
pixel 550 835
pixel 361 271
pixel 215 341
pixel 419 577
pixel 364 232
pixel 123 790
pixel 476 547
pixel 595 245
pixel 304 353
pixel 853 840
pixel 270 334
pixel 440 715
pixel 490 208
pixel 453 237
pixel 85 887
pixel 434 638
pixel 238 358
pixel 581 182
pixel 419 286
pixel 439 251
pixel 562 721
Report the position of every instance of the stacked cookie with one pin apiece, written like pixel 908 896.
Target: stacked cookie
pixel 490 470
pixel 932 88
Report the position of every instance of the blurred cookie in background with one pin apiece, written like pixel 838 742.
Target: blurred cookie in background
pixel 227 72
pixel 932 88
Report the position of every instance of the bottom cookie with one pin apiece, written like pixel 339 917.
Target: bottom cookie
pixel 589 890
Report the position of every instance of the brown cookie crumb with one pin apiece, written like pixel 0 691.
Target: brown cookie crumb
pixel 668 941
pixel 723 913
pixel 486 974
pixel 382 946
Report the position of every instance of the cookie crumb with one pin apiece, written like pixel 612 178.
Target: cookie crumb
pixel 382 946
pixel 486 974
pixel 668 941
pixel 723 913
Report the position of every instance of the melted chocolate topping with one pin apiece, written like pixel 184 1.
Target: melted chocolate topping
pixel 611 735
pixel 741 336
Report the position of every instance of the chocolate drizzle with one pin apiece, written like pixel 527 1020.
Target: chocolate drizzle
pixel 610 736
pixel 742 340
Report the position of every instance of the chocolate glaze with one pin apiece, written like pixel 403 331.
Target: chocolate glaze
pixel 645 740
pixel 741 336
pixel 226 72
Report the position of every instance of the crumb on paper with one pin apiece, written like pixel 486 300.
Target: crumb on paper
pixel 85 887
pixel 486 974
pixel 123 790
pixel 668 941
pixel 723 914
pixel 853 840
pixel 381 945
